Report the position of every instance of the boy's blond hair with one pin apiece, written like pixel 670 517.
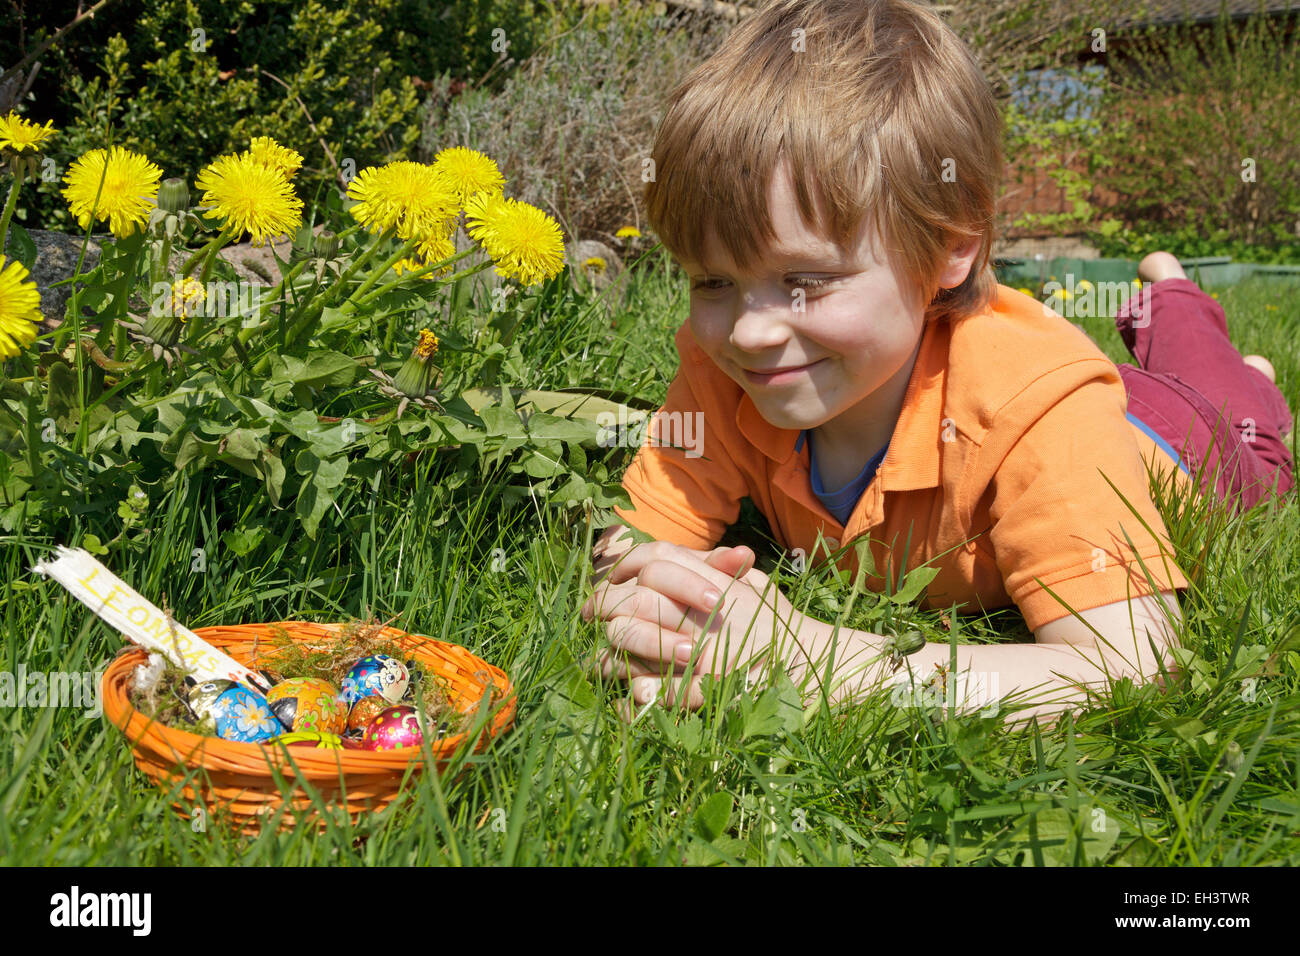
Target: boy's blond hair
pixel 884 117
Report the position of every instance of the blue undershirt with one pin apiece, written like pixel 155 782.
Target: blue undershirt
pixel 842 502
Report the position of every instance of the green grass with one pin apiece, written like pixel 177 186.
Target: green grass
pixel 1205 774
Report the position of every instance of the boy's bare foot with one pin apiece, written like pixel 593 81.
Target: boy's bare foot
pixel 1160 265
pixel 1263 364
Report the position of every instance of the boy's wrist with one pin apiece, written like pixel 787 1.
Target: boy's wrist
pixel 860 660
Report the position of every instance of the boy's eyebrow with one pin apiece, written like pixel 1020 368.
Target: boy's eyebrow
pixel 803 256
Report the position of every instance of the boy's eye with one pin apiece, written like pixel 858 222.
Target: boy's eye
pixel 708 283
pixel 809 282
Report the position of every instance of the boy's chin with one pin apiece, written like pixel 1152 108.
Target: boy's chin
pixel 790 417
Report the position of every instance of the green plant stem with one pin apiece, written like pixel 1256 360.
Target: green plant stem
pixel 119 342
pixel 374 294
pixel 247 332
pixel 159 271
pixel 10 203
pixel 357 264
pixel 402 253
pixel 211 258
pixel 493 366
pixel 207 250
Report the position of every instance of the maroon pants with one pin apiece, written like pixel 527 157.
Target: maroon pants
pixel 1192 388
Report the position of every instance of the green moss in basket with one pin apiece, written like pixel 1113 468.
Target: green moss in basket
pixel 329 659
pixel 162 694
pixel 434 695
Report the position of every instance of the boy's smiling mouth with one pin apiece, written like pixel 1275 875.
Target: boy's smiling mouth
pixel 779 375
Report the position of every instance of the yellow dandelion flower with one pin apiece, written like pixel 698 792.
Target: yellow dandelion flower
pixel 435 249
pixel 19 134
pixel 628 232
pixel 128 194
pixel 1137 284
pixel 524 241
pixel 469 172
pixel 187 296
pixel 20 309
pixel 482 212
pixel 413 198
pixel 1082 286
pixel 1025 291
pixel 250 197
pixel 594 262
pixel 427 344
pixel 268 152
pixel 431 250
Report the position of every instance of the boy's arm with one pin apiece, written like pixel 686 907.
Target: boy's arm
pixel 1050 675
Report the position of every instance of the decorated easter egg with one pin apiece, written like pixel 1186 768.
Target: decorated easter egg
pixel 308 703
pixel 243 716
pixel 364 711
pixel 311 738
pixel 202 697
pixel 377 675
pixel 395 727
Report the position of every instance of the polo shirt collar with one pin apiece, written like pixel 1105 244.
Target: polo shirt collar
pixel 912 460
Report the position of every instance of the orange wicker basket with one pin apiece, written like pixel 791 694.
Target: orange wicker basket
pixel 236 778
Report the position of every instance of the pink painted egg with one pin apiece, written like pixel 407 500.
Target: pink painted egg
pixel 394 727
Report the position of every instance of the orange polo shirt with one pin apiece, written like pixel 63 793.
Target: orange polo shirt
pixel 996 472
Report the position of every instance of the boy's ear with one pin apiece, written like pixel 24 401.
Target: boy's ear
pixel 959 264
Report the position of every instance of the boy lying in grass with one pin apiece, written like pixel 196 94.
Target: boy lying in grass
pixel 827 181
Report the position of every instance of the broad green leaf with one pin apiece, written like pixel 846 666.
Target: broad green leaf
pixel 19 246
pixel 326 473
pixel 61 401
pixel 273 474
pixel 689 733
pixel 1057 838
pixel 713 815
pixel 664 723
pixel 243 443
pixel 917 580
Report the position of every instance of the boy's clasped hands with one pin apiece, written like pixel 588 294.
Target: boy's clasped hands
pixel 674 614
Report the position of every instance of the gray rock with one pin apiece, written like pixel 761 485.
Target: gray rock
pixel 578 254
pixel 57 254
pixel 56 260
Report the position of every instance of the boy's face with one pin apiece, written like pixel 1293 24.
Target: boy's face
pixel 851 334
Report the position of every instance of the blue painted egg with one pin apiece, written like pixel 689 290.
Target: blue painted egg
pixel 376 675
pixel 237 713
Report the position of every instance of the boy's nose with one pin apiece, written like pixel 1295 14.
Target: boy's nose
pixel 759 326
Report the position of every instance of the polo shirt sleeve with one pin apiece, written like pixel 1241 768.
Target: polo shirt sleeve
pixel 686 495
pixel 1055 519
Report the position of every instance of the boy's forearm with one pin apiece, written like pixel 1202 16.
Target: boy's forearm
pixel 1043 679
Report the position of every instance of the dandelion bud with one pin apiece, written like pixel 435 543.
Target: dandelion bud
pixel 898 646
pixel 909 642
pixel 327 245
pixel 416 373
pixel 174 196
